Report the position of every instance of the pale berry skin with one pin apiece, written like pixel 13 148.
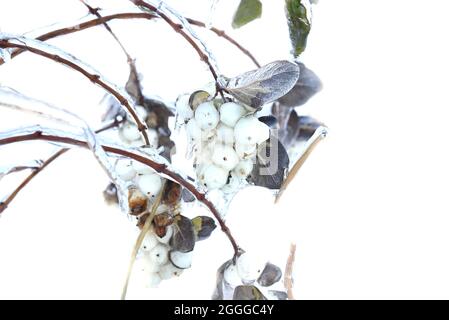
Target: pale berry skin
pixel 149 184
pixel 249 266
pixel 168 271
pixel 141 112
pixel 181 260
pixel 232 276
pixel 225 134
pixel 230 113
pixel 149 242
pixel 245 151
pixel 154 280
pixel 243 168
pixel 249 130
pixel 225 157
pixel 146 264
pixel 125 170
pixel 141 168
pixel 207 116
pixel 194 131
pixel 159 254
pixel 130 132
pixel 214 177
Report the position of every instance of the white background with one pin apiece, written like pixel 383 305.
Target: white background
pixel 368 211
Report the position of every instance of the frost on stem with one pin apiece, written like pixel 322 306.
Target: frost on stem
pixel 60 56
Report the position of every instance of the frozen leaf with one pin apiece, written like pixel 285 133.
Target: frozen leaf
pixel 247 11
pixel 133 86
pixel 306 87
pixel 172 193
pixel 264 85
pixel 248 293
pixel 271 164
pixel 298 24
pixel 204 226
pixel 184 238
pixel 110 194
pixel 270 121
pixel 197 98
pixel 137 201
pixel 307 127
pixel 187 196
pixel 270 275
pixel 222 291
pixel 279 295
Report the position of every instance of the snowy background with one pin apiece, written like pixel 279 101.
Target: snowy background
pixel 368 210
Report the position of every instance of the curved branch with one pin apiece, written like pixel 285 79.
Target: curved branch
pixel 158 167
pixel 95 78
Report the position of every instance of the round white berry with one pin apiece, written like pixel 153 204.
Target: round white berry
pixel 146 265
pixel 250 266
pixel 142 168
pixel 125 170
pixel 159 254
pixel 142 112
pixel 168 271
pixel 149 184
pixel 208 136
pixel 232 276
pixel 183 107
pixel 207 116
pixel 168 234
pixel 225 157
pixel 214 177
pixel 130 132
pixel 230 113
pixel 181 260
pixel 245 151
pixel 243 168
pixel 153 138
pixel 193 131
pixel 149 242
pixel 249 130
pixel 225 134
pixel 154 280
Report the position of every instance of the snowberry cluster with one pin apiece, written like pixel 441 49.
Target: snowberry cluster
pixel 130 135
pixel 224 137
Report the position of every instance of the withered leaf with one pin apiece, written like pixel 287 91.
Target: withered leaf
pixel 280 295
pixel 264 85
pixel 183 239
pixel 222 290
pixel 270 275
pixel 270 121
pixel 204 226
pixel 248 293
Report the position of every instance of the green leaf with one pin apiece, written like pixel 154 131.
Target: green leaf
pixel 247 11
pixel 299 25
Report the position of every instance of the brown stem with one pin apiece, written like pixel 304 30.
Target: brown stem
pixel 4 205
pixel 158 167
pixel 92 77
pixel 288 276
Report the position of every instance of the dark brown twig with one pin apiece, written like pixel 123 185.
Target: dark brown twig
pixel 92 77
pixel 4 205
pixel 158 167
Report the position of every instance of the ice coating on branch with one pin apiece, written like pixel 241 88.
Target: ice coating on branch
pixel 213 8
pixel 5 55
pixel 49 49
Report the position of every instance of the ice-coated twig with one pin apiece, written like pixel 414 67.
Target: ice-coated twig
pixel 319 135
pixel 150 158
pixel 6 170
pixel 4 204
pixel 58 55
pixel 288 274
pixel 180 29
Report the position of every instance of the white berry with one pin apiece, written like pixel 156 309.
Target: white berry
pixel 125 170
pixel 159 254
pixel 149 242
pixel 183 107
pixel 130 132
pixel 225 134
pixel 142 168
pixel 249 130
pixel 230 113
pixel 154 280
pixel 245 151
pixel 153 138
pixel 214 177
pixel 142 112
pixel 149 184
pixel 225 157
pixel 168 271
pixel 243 168
pixel 232 276
pixel 250 266
pixel 207 116
pixel 193 131
pixel 181 260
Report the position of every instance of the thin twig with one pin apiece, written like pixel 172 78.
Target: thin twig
pixel 288 274
pixel 92 77
pixel 141 237
pixel 158 167
pixel 4 205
